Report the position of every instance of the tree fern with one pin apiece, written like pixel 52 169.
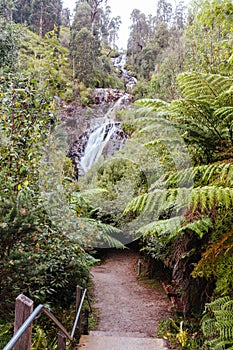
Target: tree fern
pixel 219 174
pixel 199 227
pixel 165 229
pixel 158 201
pixel 217 324
pixel 203 86
pixel 201 198
pixel 204 114
pixel 153 104
pixel 205 197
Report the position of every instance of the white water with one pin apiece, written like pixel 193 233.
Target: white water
pixel 100 136
pixel 120 62
pixel 96 143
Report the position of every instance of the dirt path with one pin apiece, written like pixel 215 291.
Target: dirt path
pixel 124 304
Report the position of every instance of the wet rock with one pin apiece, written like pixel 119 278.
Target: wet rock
pixel 108 95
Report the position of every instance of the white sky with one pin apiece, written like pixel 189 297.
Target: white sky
pixel 123 8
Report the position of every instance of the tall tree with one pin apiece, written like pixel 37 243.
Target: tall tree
pixel 82 17
pixel 22 11
pixel 45 14
pixel 164 11
pixel 138 34
pixel 209 37
pixel 85 51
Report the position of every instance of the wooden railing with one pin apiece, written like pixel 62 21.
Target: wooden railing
pixel 24 317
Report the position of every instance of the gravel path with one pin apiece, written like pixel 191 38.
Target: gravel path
pixel 124 304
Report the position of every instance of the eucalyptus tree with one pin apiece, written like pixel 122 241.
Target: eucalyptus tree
pixel 164 11
pixel 209 38
pixel 45 14
pixel 6 9
pixel 85 51
pixel 65 17
pixel 113 30
pixel 179 16
pixel 22 11
pixel 138 37
pixel 109 27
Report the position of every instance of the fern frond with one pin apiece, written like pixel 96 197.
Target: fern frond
pixel 163 228
pixel 203 86
pixel 225 115
pixel 136 205
pixel 225 98
pixel 155 105
pixel 217 324
pixel 199 227
pixel 204 197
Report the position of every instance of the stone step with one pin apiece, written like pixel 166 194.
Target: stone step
pixel 95 342
pixel 119 334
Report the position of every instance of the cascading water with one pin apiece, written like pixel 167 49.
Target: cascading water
pixel 100 137
pixel 105 137
pixel 96 143
pixel 120 62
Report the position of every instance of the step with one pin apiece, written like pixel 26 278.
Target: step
pixel 95 342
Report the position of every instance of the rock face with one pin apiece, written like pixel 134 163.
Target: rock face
pixel 120 63
pixel 95 132
pixel 104 140
pixel 108 95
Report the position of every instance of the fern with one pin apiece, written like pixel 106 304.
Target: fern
pixel 205 197
pixel 225 114
pixel 203 86
pixel 204 114
pixel 153 104
pixel 220 174
pixel 199 198
pixel 166 229
pixel 199 227
pixel 217 324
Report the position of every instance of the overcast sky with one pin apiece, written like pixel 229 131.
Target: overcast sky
pixel 123 8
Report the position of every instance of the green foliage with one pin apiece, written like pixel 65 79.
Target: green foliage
pixel 181 334
pixel 216 263
pixel 117 170
pixel 41 15
pixel 9 44
pixel 208 37
pixel 217 324
pixel 207 97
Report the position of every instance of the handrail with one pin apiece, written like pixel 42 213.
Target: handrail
pixel 78 314
pixel 36 312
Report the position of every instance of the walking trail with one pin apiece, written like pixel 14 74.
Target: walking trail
pixel 128 310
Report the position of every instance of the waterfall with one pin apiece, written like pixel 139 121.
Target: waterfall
pixel 106 136
pixel 99 140
pixel 120 62
pixel 95 145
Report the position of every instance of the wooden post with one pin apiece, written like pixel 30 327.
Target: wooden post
pixel 79 292
pixel 23 309
pixel 61 345
pixel 86 322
